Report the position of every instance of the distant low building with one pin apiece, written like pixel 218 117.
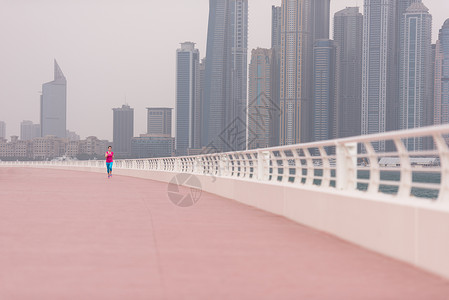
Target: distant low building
pixel 48 147
pixel 93 146
pixel 73 149
pixel 51 147
pixel 148 146
pixel 29 131
pixel 15 149
pixel 72 136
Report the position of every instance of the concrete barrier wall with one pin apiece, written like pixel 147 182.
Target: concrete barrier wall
pixel 411 230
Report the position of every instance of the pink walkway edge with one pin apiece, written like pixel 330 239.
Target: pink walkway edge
pixel 75 235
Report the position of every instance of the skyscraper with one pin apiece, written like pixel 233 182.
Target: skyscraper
pixel 431 104
pixel 401 8
pixel 348 36
pixel 276 26
pixel 303 22
pixel 188 99
pixel 260 106
pixel 379 68
pixel 123 128
pixel 294 36
pixel 324 90
pixel 225 91
pixel 29 130
pixel 159 121
pixel 415 75
pixel 2 130
pixel 441 106
pixel 54 105
pixel 319 19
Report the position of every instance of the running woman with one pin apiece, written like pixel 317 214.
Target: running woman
pixel 109 161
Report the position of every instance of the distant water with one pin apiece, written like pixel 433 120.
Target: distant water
pixel 394 177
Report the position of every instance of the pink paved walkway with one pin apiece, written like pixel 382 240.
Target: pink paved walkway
pixel 74 235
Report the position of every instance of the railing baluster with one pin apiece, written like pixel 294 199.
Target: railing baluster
pixel 374 176
pixel 326 168
pixel 443 151
pixel 405 185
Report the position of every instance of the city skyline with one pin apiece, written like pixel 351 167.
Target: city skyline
pixel 94 73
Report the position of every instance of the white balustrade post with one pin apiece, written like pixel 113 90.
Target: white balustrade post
pixel 262 158
pixel 405 185
pixel 326 167
pixel 177 165
pixel 443 152
pixel 196 165
pixel 224 168
pixel 159 164
pixel 346 166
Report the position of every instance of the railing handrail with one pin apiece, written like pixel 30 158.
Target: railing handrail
pixel 316 163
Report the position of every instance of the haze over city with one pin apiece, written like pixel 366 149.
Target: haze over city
pixel 112 52
pixel 224 149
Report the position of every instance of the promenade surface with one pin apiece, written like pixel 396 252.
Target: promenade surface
pixel 74 235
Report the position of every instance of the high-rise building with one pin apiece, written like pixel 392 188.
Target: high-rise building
pixel 29 130
pixel 260 106
pixel 441 101
pixel 303 22
pixel 319 19
pixel 401 8
pixel 437 94
pixel 2 130
pixel 123 130
pixel 225 91
pixel 324 90
pixel 276 26
pixel 348 36
pixel 159 121
pixel 380 105
pixel 415 76
pixel 54 105
pixel 431 104
pixel 202 79
pixel 188 99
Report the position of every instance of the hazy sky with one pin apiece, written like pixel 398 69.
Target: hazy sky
pixel 112 52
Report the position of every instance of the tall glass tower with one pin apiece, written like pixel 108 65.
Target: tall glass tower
pixel 379 68
pixel 324 90
pixel 348 35
pixel 188 105
pixel 276 26
pixel 416 73
pixel 225 91
pixel 303 23
pixel 441 101
pixel 53 115
pixel 261 113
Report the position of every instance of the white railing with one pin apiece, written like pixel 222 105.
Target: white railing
pixel 345 164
